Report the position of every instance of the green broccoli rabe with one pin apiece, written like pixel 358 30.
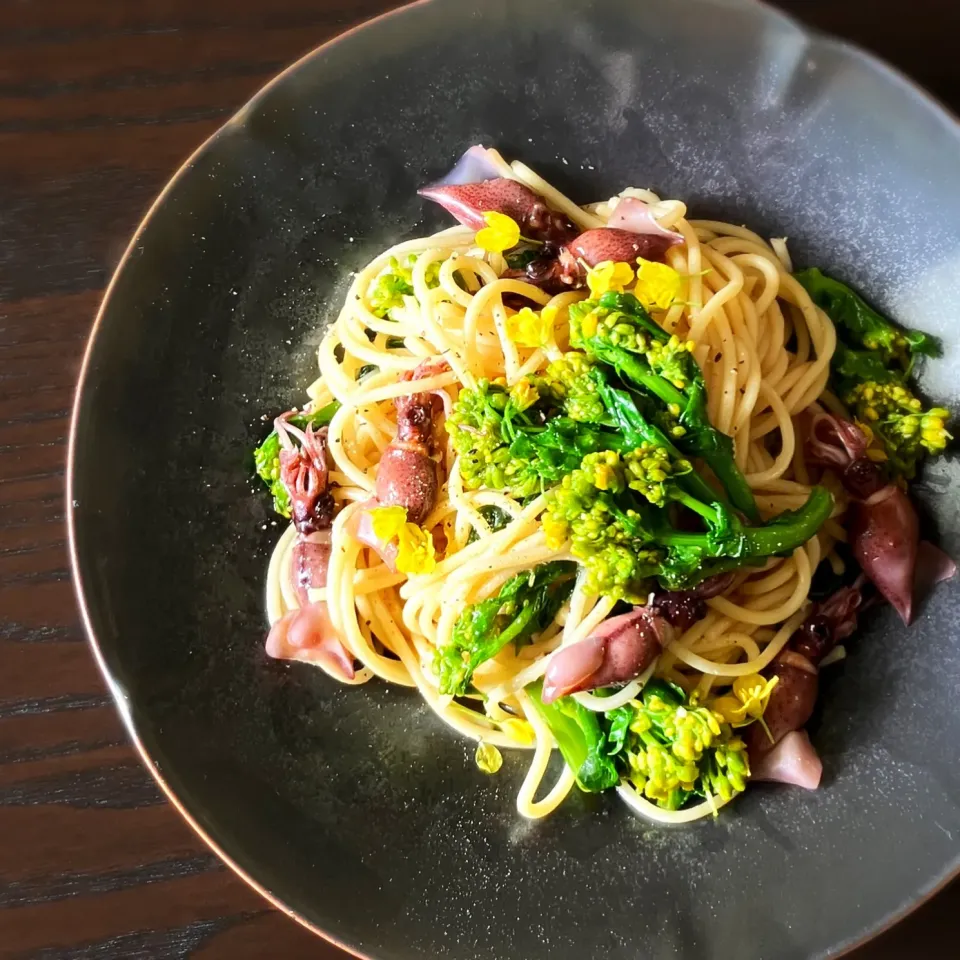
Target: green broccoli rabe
pixel 519 441
pixel 672 750
pixel 616 330
pixel 569 381
pixel 613 509
pixel 525 605
pixel 870 373
pixel 266 457
pixel 861 326
pixel 581 740
pixel 394 282
pixel 899 421
pixel 495 518
pixel 850 367
pixel 637 430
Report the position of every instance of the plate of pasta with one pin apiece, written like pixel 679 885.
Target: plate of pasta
pixel 552 515
pixel 569 472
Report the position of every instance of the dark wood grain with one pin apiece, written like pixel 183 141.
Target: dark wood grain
pixel 100 100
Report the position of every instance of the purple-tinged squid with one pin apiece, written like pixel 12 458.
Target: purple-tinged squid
pixel 303 472
pixel 407 475
pixel 468 202
pixel 622 647
pixel 883 524
pixel 476 186
pixel 779 748
pixel 307 632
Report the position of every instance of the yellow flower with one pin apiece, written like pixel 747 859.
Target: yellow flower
pixel 746 701
pixel 526 328
pixel 387 522
pixel 658 285
pixel 416 553
pixel 519 730
pixel 500 233
pixel 524 394
pixel 607 276
pixel 488 757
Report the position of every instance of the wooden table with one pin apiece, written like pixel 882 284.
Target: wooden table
pixel 100 100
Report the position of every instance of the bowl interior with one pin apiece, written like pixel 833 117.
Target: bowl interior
pixel 355 806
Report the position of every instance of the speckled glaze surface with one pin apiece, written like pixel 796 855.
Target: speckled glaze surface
pixel 355 807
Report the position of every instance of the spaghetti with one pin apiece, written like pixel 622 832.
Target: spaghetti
pixel 764 348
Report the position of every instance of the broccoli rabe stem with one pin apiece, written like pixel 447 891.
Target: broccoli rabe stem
pixel 614 511
pixel 781 535
pixel 701 438
pixel 637 430
pixel 580 738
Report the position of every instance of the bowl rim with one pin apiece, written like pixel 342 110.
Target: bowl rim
pixel 893 74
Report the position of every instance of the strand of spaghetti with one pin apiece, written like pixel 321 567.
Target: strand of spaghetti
pixel 776 644
pixel 735 638
pixel 592 620
pixel 584 220
pixel 787 440
pixel 774 355
pixel 475 727
pixel 770 272
pixel 651 811
pixel 575 610
pixel 489 295
pixel 339 385
pixel 342 598
pixel 769 581
pixel 533 551
pixel 523 678
pixel 353 336
pixel 468 517
pixel 527 805
pixel 501 540
pixel 277 605
pixel 779 613
pixel 603 704
pixel 340 453
pixel 471 272
pixel 493 498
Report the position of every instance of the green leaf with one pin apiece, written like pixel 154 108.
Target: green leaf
pixel 862 366
pixel 618 728
pixel 700 437
pixel 521 256
pixel 525 605
pixel 581 740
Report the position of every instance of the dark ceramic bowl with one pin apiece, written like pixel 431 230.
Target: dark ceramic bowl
pixel 355 809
